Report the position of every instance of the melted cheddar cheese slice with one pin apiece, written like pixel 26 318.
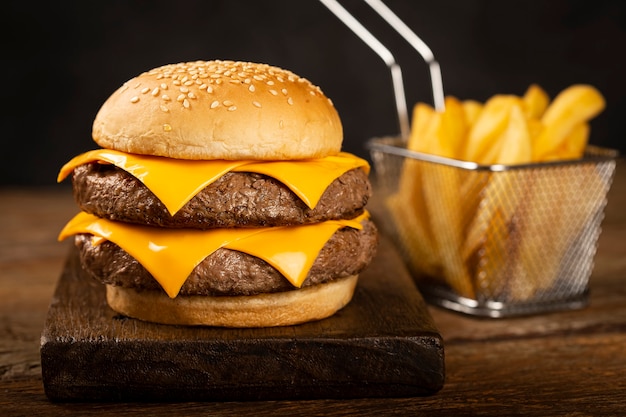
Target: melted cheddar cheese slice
pixel 176 181
pixel 170 255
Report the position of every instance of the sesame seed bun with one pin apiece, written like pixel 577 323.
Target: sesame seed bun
pixel 219 110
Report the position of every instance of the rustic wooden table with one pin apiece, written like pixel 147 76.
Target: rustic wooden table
pixel 566 363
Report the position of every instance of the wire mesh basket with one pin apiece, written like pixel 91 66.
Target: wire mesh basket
pixel 497 240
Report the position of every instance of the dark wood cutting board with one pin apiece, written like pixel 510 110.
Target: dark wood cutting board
pixel 383 344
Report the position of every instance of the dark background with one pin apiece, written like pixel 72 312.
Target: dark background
pixel 61 60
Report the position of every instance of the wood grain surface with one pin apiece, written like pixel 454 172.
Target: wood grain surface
pixel 559 364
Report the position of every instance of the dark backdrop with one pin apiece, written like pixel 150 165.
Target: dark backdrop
pixel 61 60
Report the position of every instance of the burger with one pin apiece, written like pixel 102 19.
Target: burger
pixel 220 196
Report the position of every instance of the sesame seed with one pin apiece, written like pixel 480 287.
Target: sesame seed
pixel 270 82
pixel 227 103
pixel 203 86
pixel 181 97
pixel 167 128
pixel 134 99
pixel 274 92
pixel 184 89
pixel 251 88
pixel 155 92
pixel 176 82
pixel 215 104
pixel 191 96
pixel 186 103
pixel 164 86
pixel 165 109
pixel 232 108
pixel 209 89
pixel 190 82
pixel 257 77
pixel 284 91
pixel 256 104
pixel 290 101
pixel 165 97
pixel 144 90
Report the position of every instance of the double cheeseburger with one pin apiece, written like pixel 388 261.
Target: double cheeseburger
pixel 220 196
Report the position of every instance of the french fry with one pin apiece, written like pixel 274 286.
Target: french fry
pixel 534 129
pixel 427 199
pixel 472 111
pixel 501 194
pixel 535 101
pixel 482 140
pixel 500 198
pixel 576 142
pixel 574 145
pixel 409 215
pixel 515 140
pixel 452 129
pixel 445 210
pixel 573 106
pixel 441 185
pixel 492 268
pixel 421 123
pixel 522 283
pixel 407 205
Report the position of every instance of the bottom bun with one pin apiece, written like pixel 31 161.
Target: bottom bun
pixel 263 310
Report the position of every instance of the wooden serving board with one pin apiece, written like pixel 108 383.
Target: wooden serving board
pixel 383 344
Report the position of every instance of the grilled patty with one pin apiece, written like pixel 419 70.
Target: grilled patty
pixel 232 273
pixel 238 199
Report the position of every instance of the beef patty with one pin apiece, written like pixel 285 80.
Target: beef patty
pixel 238 199
pixel 229 272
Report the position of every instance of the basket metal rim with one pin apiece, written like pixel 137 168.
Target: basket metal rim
pixel 495 309
pixel 395 146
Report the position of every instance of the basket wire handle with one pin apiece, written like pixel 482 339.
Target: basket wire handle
pixel 419 45
pixel 384 53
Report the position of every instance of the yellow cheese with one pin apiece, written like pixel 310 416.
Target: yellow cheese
pixel 176 181
pixel 170 255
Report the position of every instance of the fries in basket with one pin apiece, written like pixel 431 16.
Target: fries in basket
pixel 498 235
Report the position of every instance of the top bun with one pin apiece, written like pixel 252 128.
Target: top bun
pixel 219 110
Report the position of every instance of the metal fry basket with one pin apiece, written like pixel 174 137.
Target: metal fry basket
pixel 486 240
pixel 497 240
